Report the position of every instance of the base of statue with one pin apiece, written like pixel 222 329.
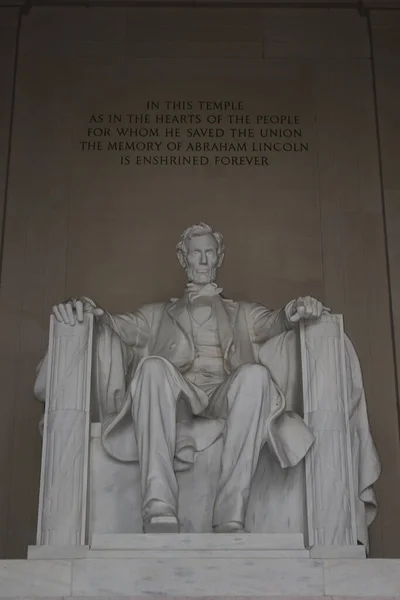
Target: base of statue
pixel 196 545
pixel 190 566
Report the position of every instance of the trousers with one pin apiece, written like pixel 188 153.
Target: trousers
pixel 244 400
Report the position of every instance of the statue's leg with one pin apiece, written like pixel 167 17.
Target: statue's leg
pixel 111 360
pixel 155 392
pixel 244 400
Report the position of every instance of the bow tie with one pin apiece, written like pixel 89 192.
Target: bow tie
pixel 195 292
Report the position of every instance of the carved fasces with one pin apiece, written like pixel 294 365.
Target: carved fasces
pixel 64 473
pixel 329 477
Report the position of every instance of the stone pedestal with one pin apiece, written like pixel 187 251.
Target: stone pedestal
pixel 162 569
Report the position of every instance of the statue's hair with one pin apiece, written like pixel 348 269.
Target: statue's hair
pixel 197 231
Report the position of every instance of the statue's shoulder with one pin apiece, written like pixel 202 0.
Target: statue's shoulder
pixel 158 308
pixel 246 305
pixel 154 308
pixel 250 311
pixel 243 304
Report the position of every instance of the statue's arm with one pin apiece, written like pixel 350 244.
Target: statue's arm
pixel 266 323
pixel 132 328
pixel 40 382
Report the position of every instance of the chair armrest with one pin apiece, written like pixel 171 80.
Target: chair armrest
pixel 64 470
pixel 329 475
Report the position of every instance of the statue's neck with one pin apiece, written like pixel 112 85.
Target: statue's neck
pixel 209 290
pixel 190 285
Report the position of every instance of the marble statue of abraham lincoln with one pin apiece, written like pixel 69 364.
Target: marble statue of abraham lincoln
pixel 191 361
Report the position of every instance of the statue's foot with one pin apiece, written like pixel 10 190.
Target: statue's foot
pixel 161 524
pixel 230 527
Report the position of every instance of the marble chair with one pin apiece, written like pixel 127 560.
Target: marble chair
pixel 327 497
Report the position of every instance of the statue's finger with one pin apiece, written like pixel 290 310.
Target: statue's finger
pixel 300 313
pixel 317 307
pixel 326 309
pixel 308 307
pixel 70 314
pixel 295 318
pixel 57 314
pixel 63 313
pixel 300 304
pixel 79 310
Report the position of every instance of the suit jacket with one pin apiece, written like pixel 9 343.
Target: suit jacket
pixel 164 330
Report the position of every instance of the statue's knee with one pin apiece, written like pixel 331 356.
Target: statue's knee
pixel 153 366
pixel 253 374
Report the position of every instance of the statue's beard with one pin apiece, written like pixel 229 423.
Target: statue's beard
pixel 201 277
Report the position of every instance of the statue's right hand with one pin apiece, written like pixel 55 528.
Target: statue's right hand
pixel 72 311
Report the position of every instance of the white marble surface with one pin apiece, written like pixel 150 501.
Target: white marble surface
pixel 226 577
pixel 65 452
pixel 179 546
pixel 50 553
pixel 362 577
pixel 350 551
pixel 35 579
pixel 115 497
pixel 244 546
pixel 198 577
pixel 199 541
pixel 330 506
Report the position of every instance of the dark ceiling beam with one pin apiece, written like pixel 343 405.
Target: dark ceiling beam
pixel 360 5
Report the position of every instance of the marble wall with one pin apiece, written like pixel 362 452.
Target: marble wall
pixel 79 222
pixel 8 39
pixel 385 27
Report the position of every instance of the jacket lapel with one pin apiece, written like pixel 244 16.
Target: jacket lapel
pixel 227 311
pixel 178 311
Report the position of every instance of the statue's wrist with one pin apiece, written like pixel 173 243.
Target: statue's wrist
pixel 88 303
pixel 290 310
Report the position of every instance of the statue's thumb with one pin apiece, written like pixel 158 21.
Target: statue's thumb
pixel 295 318
pixel 98 312
pixel 299 314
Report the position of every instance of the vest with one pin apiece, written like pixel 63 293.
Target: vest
pixel 207 370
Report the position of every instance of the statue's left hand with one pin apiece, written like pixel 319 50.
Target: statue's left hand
pixel 72 311
pixel 307 307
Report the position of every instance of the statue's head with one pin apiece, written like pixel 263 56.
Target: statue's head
pixel 200 252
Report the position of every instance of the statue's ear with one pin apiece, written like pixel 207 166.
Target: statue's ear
pixel 220 259
pixel 182 258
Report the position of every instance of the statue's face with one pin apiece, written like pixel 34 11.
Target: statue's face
pixel 202 259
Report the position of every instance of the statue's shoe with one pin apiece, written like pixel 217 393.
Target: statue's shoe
pixel 161 524
pixel 230 527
